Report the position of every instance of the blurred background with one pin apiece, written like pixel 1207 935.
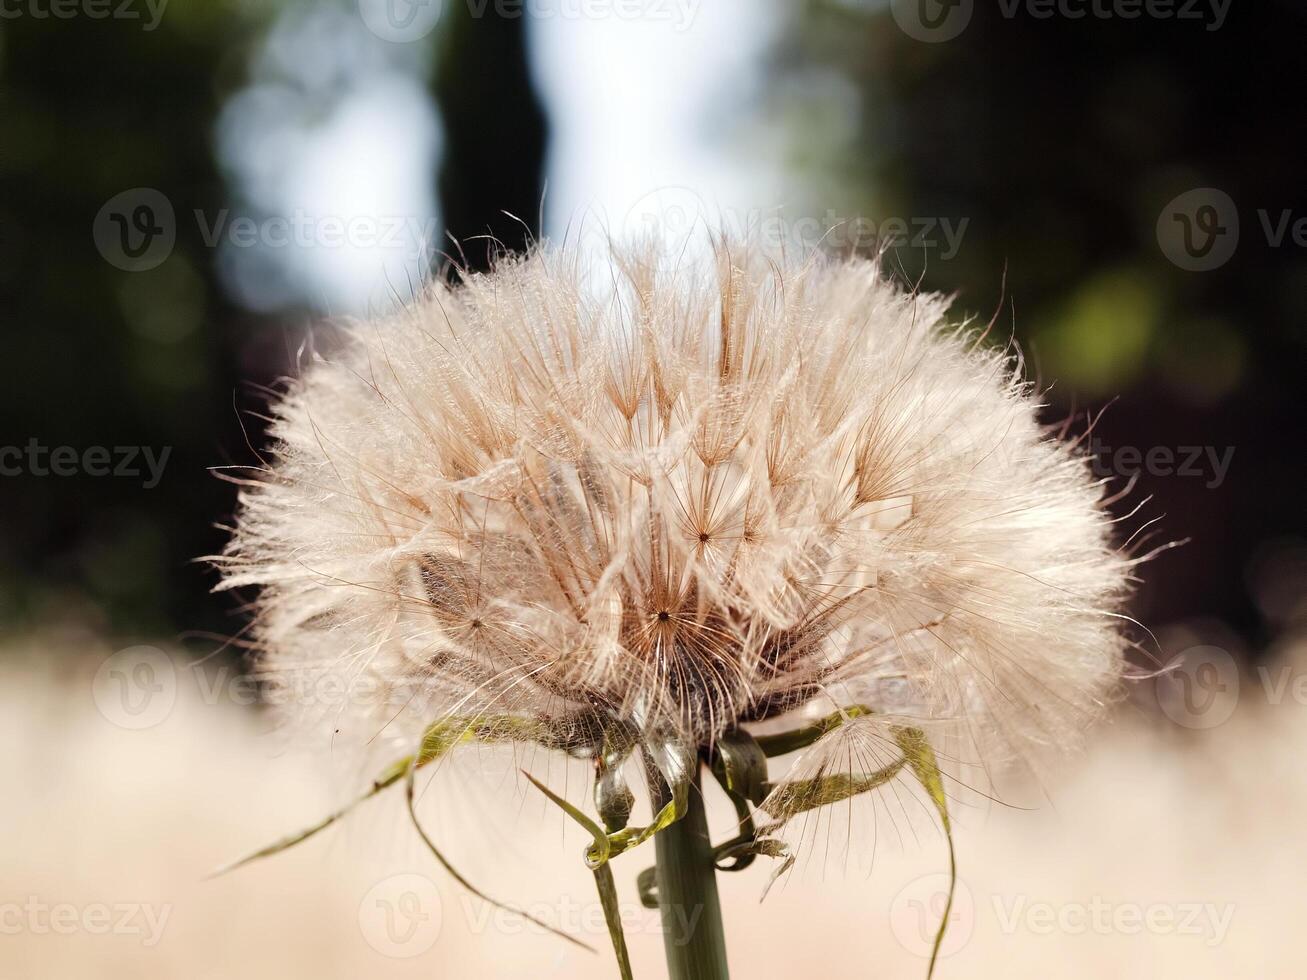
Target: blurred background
pixel 186 187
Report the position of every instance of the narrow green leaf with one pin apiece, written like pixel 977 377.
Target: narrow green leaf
pixel 921 757
pixel 785 742
pixel 787 799
pixel 603 875
pixel 437 739
pixel 388 777
pixel 613 916
pixel 289 841
pixel 599 849
pixel 777 875
pixel 409 782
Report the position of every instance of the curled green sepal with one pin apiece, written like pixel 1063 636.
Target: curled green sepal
pixel 603 875
pixel 631 837
pixel 740 765
pixel 613 798
pixel 605 846
pixel 646 883
pixel 784 743
pixel 409 783
pixel 921 757
pixel 787 799
pixel 741 852
pixel 739 769
pixel 736 850
pixel 676 763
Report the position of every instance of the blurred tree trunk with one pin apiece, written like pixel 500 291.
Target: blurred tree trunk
pixel 495 131
pixel 102 357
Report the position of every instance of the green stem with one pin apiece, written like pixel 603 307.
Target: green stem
pixel 693 938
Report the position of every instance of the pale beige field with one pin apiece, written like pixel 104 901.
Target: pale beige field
pixel 1165 853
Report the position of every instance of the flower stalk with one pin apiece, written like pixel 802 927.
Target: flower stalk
pixel 693 937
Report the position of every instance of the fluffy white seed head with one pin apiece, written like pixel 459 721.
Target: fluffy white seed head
pixel 682 495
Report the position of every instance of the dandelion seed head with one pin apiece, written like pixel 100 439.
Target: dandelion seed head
pixel 682 493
